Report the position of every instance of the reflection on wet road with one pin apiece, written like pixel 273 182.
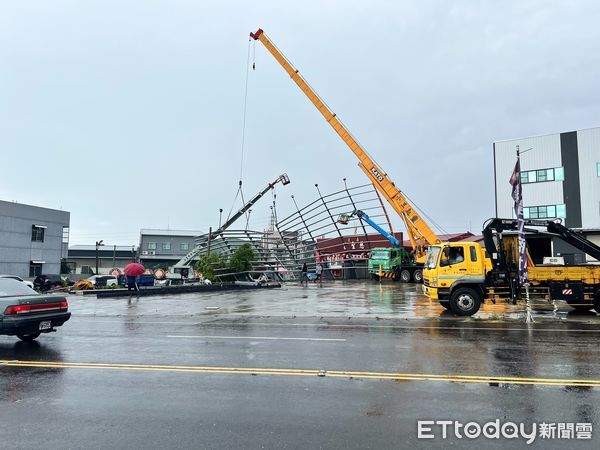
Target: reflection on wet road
pixel 339 299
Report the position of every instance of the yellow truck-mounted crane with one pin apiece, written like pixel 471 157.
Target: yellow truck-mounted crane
pixel 419 232
pixel 462 275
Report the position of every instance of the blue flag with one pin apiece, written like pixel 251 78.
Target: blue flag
pixel 517 195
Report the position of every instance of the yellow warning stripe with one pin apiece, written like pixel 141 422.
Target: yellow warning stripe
pixel 307 372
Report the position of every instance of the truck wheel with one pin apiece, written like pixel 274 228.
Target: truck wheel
pixel 445 304
pixel 405 276
pixel 465 302
pixel 374 277
pixel 418 276
pixel 28 337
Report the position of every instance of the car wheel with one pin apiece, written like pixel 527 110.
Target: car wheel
pixel 28 337
pixel 405 276
pixel 418 276
pixel 465 302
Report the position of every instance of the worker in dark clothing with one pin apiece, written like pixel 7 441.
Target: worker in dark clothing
pixel 304 276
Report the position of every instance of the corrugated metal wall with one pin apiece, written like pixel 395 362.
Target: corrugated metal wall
pixel 545 154
pixel 588 142
pixel 16 248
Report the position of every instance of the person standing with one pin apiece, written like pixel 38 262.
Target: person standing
pixel 132 284
pixel 304 276
pixel 318 271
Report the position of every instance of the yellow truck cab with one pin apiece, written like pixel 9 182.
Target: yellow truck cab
pixel 462 275
pixel 454 270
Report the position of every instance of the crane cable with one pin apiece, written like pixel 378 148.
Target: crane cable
pixel 245 108
pixel 429 218
pixel 239 191
pixel 274 197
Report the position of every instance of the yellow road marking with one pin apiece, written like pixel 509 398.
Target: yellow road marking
pixel 306 372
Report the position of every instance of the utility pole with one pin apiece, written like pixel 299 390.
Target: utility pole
pixel 98 244
pixel 209 239
pixel 114 254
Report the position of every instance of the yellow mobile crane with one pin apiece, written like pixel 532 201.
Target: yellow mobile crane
pixel 419 232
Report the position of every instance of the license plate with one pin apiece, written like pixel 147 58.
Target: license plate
pixel 45 325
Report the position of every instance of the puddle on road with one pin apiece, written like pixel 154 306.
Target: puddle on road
pixel 356 299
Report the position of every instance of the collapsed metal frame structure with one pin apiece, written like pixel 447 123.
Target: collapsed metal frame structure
pixel 312 235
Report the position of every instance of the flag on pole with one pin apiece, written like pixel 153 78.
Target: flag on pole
pixel 517 195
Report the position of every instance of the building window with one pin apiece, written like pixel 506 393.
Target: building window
pixel 37 233
pixel 166 246
pixel 35 269
pixel 473 254
pixel 530 176
pixel 541 175
pixel 86 270
pixel 184 246
pixel 151 245
pixel 452 255
pixel 545 212
pixel 559 174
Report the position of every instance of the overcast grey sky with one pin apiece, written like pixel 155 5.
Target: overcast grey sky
pixel 128 114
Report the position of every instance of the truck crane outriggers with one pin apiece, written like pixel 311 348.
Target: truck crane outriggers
pixel 419 232
pixel 394 262
pixel 183 265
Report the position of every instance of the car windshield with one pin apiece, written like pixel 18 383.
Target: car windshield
pixel 432 257
pixel 10 287
pixel 380 254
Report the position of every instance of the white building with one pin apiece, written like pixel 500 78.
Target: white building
pixel 561 179
pixel 163 248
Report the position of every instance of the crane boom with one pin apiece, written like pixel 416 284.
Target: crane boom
pixel 284 179
pixel 344 218
pixel 189 257
pixel 419 232
pixel 390 237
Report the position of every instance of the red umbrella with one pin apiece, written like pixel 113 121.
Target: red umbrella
pixel 134 269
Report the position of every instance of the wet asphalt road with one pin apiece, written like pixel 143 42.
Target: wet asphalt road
pixel 240 370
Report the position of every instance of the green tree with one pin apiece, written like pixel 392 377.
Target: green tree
pixel 208 264
pixel 241 260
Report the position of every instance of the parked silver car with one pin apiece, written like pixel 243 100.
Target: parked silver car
pixel 103 280
pixel 26 314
